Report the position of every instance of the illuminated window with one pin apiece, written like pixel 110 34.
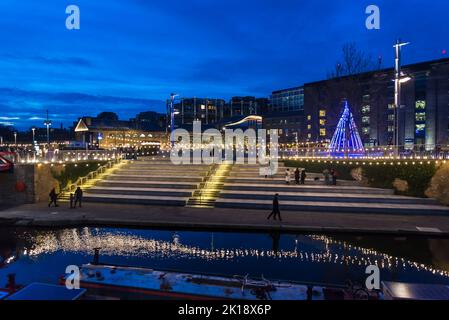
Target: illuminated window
pixel 322 132
pixel 366 120
pixel 366 109
pixel 322 122
pixel 391 106
pixel 309 136
pixel 421 116
pixel 322 113
pixel 391 117
pixel 203 107
pixel 390 128
pixel 420 127
pixel 309 127
pixel 420 105
pixel 366 130
pixel 309 117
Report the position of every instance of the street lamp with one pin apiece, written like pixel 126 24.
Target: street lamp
pixel 398 80
pixel 47 123
pixel 15 139
pixel 34 148
pixel 172 118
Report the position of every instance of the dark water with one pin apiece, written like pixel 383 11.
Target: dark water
pixel 42 255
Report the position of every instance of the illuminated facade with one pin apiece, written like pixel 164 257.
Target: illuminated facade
pixel 423 116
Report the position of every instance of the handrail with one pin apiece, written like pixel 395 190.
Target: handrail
pixel 91 175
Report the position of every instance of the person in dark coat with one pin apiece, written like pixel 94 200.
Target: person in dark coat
pixel 71 200
pixel 53 198
pixel 334 177
pixel 303 176
pixel 276 211
pixel 78 196
pixel 297 175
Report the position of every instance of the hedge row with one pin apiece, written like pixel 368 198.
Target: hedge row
pixel 418 176
pixel 73 172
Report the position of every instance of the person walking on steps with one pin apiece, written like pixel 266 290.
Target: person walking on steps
pixel 275 212
pixel 297 175
pixel 53 198
pixel 287 176
pixel 78 196
pixel 303 176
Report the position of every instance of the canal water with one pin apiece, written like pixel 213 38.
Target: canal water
pixel 43 255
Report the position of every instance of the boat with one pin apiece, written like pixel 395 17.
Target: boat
pixel 143 283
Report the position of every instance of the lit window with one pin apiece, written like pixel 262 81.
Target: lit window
pixel 309 117
pixel 391 106
pixel 322 132
pixel 366 130
pixel 322 122
pixel 203 107
pixel 322 113
pixel 366 109
pixel 391 117
pixel 420 127
pixel 309 127
pixel 390 128
pixel 309 136
pixel 420 105
pixel 421 116
pixel 366 120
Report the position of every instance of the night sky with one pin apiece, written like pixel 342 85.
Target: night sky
pixel 131 54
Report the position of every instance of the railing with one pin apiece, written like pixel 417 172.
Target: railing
pixel 90 176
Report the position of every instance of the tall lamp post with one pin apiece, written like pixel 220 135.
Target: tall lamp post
pixel 398 80
pixel 15 139
pixel 33 144
pixel 172 119
pixel 47 123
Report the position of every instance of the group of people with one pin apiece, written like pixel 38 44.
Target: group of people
pixel 300 176
pixel 75 198
pixel 330 177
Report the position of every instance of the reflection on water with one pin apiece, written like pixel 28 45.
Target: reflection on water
pixel 43 255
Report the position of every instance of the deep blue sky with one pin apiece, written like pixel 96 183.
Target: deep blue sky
pixel 130 54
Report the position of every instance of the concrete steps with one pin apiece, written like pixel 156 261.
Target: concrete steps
pixel 342 207
pixel 148 184
pixel 136 199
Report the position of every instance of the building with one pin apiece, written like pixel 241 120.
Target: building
pixel 287 100
pixel 423 116
pixel 246 106
pixel 286 114
pixel 106 131
pixel 187 110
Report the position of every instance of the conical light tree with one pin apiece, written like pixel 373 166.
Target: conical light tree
pixel 346 139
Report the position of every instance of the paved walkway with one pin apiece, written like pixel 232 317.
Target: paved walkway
pixel 223 219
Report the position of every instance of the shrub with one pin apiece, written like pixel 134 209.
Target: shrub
pixel 72 172
pixel 417 176
pixel 439 185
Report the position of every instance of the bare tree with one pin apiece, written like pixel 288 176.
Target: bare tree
pixel 354 61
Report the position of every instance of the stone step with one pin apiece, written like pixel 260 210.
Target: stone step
pixel 306 188
pixel 135 199
pixel 276 180
pixel 166 167
pixel 343 207
pixel 162 173
pixel 148 184
pixel 184 178
pixel 142 191
pixel 325 197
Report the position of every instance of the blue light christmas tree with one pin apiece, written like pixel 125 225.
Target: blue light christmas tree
pixel 346 139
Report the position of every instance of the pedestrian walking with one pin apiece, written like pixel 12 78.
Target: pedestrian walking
pixel 334 177
pixel 287 176
pixel 78 196
pixel 53 198
pixel 326 175
pixel 275 212
pixel 71 200
pixel 303 176
pixel 297 175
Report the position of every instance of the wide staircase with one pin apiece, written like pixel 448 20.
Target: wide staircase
pixel 150 181
pixel 245 188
